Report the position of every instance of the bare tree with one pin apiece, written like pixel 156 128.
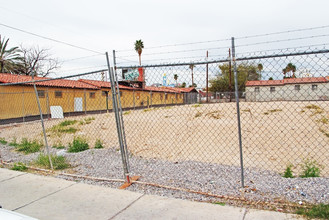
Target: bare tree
pixel 38 60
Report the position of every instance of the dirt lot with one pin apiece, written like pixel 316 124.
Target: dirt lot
pixel 274 134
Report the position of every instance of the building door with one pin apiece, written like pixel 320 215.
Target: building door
pixel 78 104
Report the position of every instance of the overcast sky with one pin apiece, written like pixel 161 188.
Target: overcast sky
pixel 105 25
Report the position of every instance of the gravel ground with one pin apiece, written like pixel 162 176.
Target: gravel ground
pixel 261 185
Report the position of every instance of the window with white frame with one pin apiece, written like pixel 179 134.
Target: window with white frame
pixel 314 87
pixel 272 89
pixel 257 89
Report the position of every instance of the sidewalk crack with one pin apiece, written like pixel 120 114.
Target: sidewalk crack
pixel 12 177
pixel 244 214
pixel 126 207
pixel 42 197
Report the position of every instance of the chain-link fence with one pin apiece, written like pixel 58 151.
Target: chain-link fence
pixel 210 127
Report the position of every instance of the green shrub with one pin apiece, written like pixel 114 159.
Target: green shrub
pixel 310 168
pixel 3 141
pixel 59 162
pixel 288 172
pixel 196 105
pixel 13 142
pixel 63 127
pixel 320 211
pixel 19 167
pixel 79 144
pixel 28 147
pixel 67 123
pixel 98 144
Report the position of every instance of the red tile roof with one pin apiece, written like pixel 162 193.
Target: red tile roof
pixel 82 84
pixel 288 81
pixel 102 84
pixel 64 83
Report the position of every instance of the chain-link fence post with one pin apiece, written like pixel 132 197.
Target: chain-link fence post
pixel 42 122
pixel 117 118
pixel 238 111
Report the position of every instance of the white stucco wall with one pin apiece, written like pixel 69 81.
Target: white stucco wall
pixel 287 92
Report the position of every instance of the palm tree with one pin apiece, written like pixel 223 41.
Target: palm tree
pixel 175 78
pixel 291 68
pixel 10 59
pixel 192 67
pixel 139 46
pixel 284 71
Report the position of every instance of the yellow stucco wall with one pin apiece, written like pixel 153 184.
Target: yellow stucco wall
pixel 20 101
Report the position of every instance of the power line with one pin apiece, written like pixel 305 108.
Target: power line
pixel 180 51
pixel 182 44
pixel 276 41
pixel 81 58
pixel 51 39
pixel 228 39
pixel 282 32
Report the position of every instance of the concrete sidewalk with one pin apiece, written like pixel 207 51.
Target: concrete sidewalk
pixel 52 198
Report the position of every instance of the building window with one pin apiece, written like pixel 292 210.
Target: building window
pixel 105 93
pixel 41 93
pixel 314 87
pixel 256 89
pixel 92 95
pixel 120 94
pixel 138 95
pixel 297 87
pixel 181 96
pixel 58 94
pixel 272 89
pixel 161 96
pixel 166 96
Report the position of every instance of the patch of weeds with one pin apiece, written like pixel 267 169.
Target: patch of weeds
pixel 127 113
pixel 79 144
pixel 59 146
pixel 323 120
pixel 302 111
pixel 315 109
pixel 272 111
pixel 19 167
pixel 220 203
pixel 28 147
pixel 148 109
pixel 288 172
pixel 63 127
pixel 3 141
pixel 67 123
pixel 214 114
pixel 320 211
pixel 13 142
pixel 59 162
pixel 310 168
pixel 324 132
pixel 246 110
pixel 198 114
pixel 196 105
pixel 88 120
pixel 98 144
